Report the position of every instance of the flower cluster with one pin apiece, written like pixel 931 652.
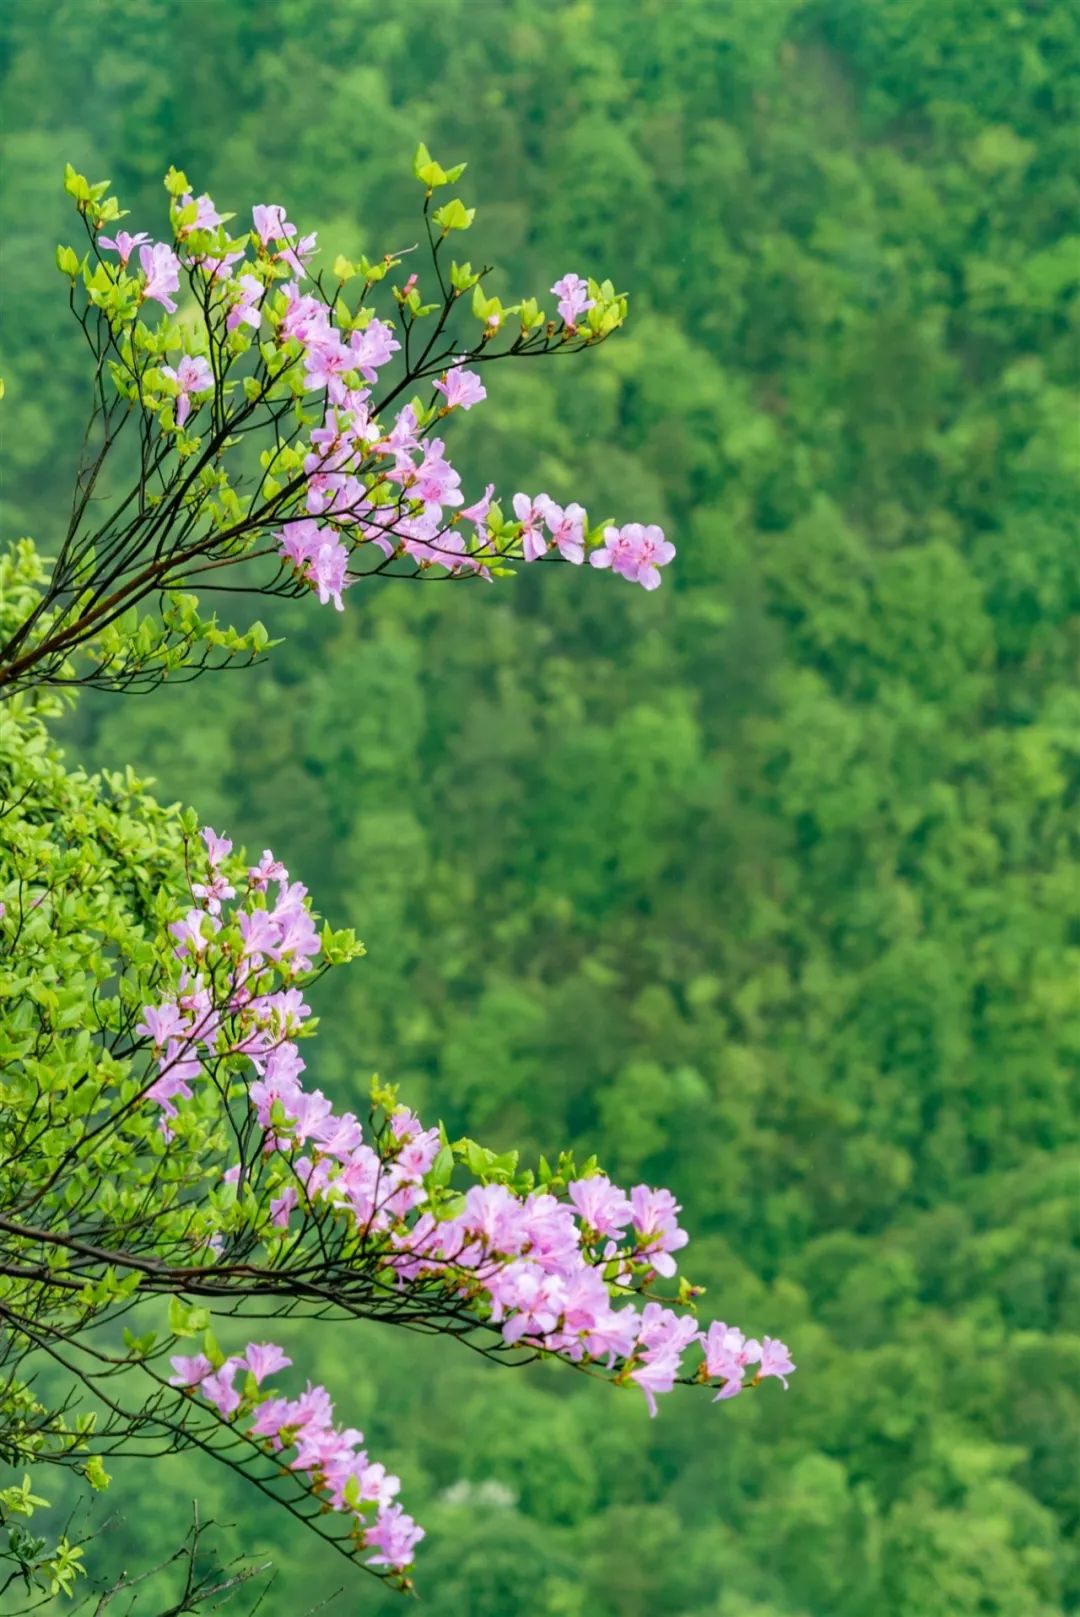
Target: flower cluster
pixel 337 1468
pixel 187 1029
pixel 574 300
pixel 567 1267
pixel 354 481
pixel 636 552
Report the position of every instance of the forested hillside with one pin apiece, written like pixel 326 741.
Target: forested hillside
pixel 767 886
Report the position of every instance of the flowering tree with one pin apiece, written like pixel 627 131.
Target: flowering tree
pixel 164 1161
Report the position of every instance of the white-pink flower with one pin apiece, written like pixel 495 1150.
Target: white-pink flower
pixel 193 375
pixel 123 243
pixel 573 295
pixel 461 389
pixel 161 267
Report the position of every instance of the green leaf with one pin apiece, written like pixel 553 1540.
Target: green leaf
pixel 462 277
pixel 433 174
pixel 441 1170
pixel 186 1321
pixel 95 1473
pixel 454 215
pixel 176 182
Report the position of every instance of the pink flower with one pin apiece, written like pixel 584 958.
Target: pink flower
pixel 271 223
pixel 297 254
pixel 653 552
pixel 395 1535
pixel 372 348
pixel 281 1087
pixel 327 358
pixel 309 1113
pixel 461 389
pixel 189 932
pixel 123 244
pixel 401 440
pixel 217 848
pixel 281 1206
pixel 305 316
pixel 258 931
pixel 267 870
pixel 319 555
pixel 657 1230
pixel 298 541
pixel 775 1360
pixel 192 375
pixel 600 1204
pixel 287 1008
pixel 176 1074
pixel 377 1485
pixel 161 267
pixel 263 1358
pixel 214 892
pixel 327 572
pixel 218 1388
pixel 636 552
pixel 727 1354
pixel 574 299
pixel 656 1375
pixel 160 1023
pixel 530 513
pixel 478 511
pixel 219 267
pixel 619 553
pixel 271 1418
pixel 247 292
pixel 206 215
pixel 189 1371
pixel 435 481
pixel 567 528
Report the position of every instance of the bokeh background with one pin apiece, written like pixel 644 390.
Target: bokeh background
pixel 766 887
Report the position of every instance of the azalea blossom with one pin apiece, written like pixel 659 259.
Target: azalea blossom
pixel 566 526
pixel 636 552
pixel 271 224
pixel 530 513
pixel 247 293
pixel 573 295
pixel 123 243
pixel 461 388
pixel 206 215
pixel 192 375
pixel 161 267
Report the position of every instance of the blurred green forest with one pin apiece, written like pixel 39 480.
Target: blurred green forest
pixel 766 887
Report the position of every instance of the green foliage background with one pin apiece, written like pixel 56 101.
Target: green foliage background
pixel 766 887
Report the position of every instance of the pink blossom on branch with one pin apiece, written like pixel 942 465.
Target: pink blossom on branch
pixel 566 526
pixel 123 244
pixel 341 469
pixel 319 556
pixel 271 224
pixel 192 375
pixel 206 215
pixel 574 300
pixel 461 388
pixel 263 1358
pixel 161 267
pixel 247 293
pixel 558 1274
pixel 530 513
pixel 635 551
pixel 337 1467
